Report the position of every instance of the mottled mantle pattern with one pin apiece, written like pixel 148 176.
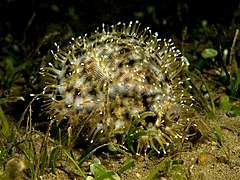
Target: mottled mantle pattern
pixel 111 77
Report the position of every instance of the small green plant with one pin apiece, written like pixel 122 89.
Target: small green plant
pixel 232 70
pixel 169 167
pixel 231 77
pixel 5 127
pixel 224 103
pixel 209 108
pixel 100 172
pixel 159 167
pixel 218 136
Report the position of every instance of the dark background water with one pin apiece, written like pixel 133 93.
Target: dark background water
pixel 166 17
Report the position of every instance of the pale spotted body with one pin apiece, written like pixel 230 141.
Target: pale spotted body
pixel 112 76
